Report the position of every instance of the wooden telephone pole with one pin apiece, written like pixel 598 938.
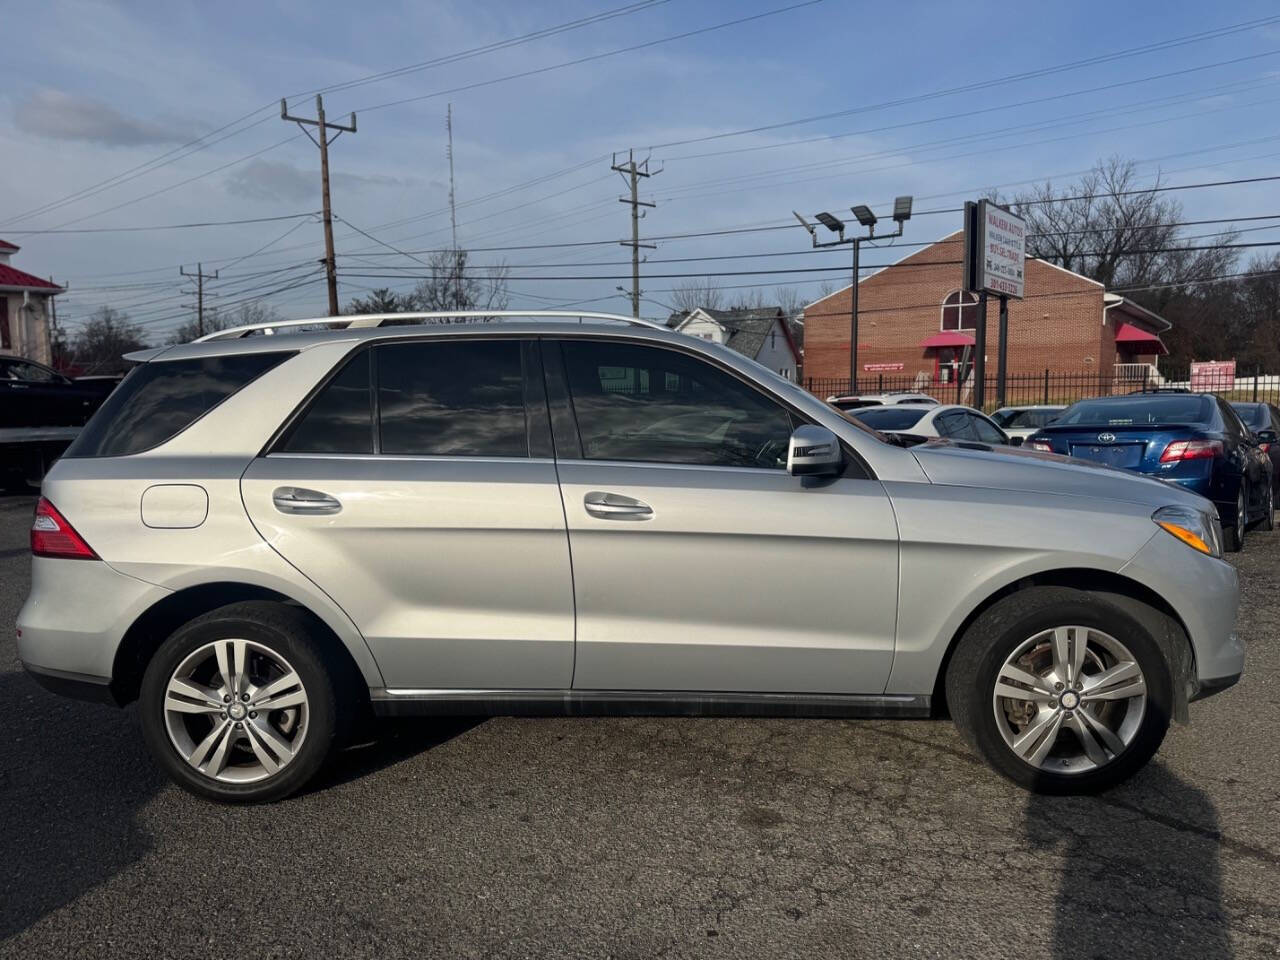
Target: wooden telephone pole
pixel 199 277
pixel 322 141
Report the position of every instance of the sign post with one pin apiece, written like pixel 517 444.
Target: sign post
pixel 995 252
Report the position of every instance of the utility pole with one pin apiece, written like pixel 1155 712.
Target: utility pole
pixel 322 141
pixel 200 277
pixel 632 172
pixel 53 325
pixel 455 281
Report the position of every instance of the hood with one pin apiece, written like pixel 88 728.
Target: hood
pixel 1014 468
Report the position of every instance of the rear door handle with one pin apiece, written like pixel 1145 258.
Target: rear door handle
pixel 614 506
pixel 302 500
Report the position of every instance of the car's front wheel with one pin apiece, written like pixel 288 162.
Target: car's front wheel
pixel 1060 690
pixel 238 705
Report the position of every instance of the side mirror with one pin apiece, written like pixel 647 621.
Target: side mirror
pixel 814 452
pixel 1015 441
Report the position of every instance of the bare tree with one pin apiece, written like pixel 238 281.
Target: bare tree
pixel 696 292
pixel 789 299
pixel 107 335
pixel 451 285
pixel 255 311
pixel 1110 229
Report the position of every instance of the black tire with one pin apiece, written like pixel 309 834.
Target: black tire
pixel 1233 535
pixel 997 633
pixel 283 630
pixel 1268 521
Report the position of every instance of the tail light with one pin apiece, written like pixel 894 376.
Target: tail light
pixel 1191 450
pixel 52 536
pixel 1040 445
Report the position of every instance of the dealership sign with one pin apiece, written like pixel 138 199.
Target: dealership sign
pixel 882 367
pixel 1210 375
pixel 995 250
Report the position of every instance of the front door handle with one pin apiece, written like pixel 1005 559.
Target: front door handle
pixel 302 500
pixel 614 506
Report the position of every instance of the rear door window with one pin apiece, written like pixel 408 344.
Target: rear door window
pixel 459 398
pixel 160 399
pixel 986 431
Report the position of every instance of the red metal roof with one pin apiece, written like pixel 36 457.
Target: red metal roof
pixel 1128 333
pixel 13 277
pixel 6 245
pixel 948 338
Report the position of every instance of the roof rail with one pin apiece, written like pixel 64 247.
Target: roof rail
pixel 361 320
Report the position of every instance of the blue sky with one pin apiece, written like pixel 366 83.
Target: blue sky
pixel 97 88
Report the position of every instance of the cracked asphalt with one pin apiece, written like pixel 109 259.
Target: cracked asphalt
pixel 637 838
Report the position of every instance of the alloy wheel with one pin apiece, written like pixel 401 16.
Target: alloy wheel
pixel 236 711
pixel 1070 699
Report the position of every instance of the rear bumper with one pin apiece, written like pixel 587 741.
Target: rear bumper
pixel 72 685
pixel 74 619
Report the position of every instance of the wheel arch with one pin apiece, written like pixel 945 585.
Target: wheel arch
pixel 1135 598
pixel 155 624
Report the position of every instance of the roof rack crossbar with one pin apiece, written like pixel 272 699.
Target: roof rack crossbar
pixel 362 320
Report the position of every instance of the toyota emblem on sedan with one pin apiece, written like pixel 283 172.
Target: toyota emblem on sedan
pixel 1106 438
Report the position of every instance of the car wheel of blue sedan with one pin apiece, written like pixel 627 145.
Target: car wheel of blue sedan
pixel 1233 536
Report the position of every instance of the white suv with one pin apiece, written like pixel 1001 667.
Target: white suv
pixel 259 538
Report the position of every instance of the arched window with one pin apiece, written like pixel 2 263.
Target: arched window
pixel 960 311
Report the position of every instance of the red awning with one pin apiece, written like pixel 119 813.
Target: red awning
pixel 948 338
pixel 1142 340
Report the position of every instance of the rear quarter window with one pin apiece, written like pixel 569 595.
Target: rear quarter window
pixel 160 399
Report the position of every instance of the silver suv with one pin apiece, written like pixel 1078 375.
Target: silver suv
pixel 261 538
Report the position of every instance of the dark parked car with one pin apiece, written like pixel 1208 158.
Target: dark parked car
pixel 41 411
pixel 1264 420
pixel 1192 439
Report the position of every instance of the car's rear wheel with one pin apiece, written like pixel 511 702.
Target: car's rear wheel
pixel 239 705
pixel 1060 691
pixel 1233 535
pixel 1268 521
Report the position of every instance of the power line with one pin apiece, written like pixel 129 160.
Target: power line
pixel 171 226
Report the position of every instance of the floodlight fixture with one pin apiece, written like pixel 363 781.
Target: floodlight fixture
pixel 902 209
pixel 832 223
pixel 806 224
pixel 864 215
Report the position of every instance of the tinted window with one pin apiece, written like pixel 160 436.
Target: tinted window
pixel 340 420
pixel 160 399
pixel 644 403
pixel 955 425
pixel 1256 415
pixel 21 370
pixel 891 418
pixel 1024 418
pixel 462 398
pixel 985 430
pixel 1138 410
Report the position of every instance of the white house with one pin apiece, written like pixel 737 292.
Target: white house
pixel 761 334
pixel 24 310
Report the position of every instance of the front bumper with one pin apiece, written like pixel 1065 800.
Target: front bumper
pixel 1205 595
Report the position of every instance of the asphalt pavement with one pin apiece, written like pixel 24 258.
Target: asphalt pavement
pixel 638 838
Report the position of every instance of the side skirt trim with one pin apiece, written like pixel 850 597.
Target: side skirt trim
pixel 652 703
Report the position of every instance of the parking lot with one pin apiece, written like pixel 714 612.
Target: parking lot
pixel 643 837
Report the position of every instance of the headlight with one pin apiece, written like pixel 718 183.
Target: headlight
pixel 1193 527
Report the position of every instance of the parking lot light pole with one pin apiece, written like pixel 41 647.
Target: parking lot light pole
pixel 866 218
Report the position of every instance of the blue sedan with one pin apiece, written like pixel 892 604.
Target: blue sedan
pixel 1192 439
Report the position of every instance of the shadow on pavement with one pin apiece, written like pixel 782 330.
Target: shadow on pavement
pixel 389 741
pixel 73 777
pixel 1134 882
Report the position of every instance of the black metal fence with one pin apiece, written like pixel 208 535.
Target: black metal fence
pixel 1054 386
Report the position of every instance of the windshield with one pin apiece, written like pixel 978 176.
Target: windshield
pixel 1025 418
pixel 889 418
pixel 1137 411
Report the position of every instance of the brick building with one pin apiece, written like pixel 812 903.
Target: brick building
pixel 916 326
